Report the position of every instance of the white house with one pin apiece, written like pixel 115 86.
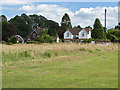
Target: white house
pixel 77 34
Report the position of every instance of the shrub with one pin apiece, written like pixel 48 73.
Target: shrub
pixel 85 40
pixel 4 42
pixel 56 53
pixel 25 54
pixel 31 42
pixel 16 56
pixel 90 51
pixel 48 39
pixel 82 49
pixel 12 39
pixel 9 43
pixel 98 50
pixel 48 53
pixel 88 40
pixel 44 39
pixel 119 40
pixel 113 38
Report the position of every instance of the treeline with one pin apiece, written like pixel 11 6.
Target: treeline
pixel 24 24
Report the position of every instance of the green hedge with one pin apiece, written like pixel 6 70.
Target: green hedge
pixel 31 42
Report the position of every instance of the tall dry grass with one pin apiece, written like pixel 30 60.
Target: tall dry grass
pixel 19 51
pixel 55 46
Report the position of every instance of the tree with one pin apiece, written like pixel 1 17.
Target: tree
pixel 8 29
pixel 43 32
pixel 98 31
pixel 44 39
pixel 3 18
pixel 89 27
pixel 77 26
pixel 113 35
pixel 52 32
pixel 66 22
pixel 22 27
pixel 12 39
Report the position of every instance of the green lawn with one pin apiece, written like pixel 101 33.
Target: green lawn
pixel 84 69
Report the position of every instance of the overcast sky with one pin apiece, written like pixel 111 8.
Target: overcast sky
pixel 81 13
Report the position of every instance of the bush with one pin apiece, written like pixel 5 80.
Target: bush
pixel 16 56
pixel 113 38
pixel 88 40
pixel 48 39
pixel 48 53
pixel 98 50
pixel 119 40
pixel 9 43
pixel 12 39
pixel 31 42
pixel 4 42
pixel 44 39
pixel 85 40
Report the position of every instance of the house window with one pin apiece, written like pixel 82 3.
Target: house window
pixel 34 35
pixel 82 35
pixel 68 34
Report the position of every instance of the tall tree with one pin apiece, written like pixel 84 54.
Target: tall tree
pixel 98 31
pixel 8 29
pixel 78 26
pixel 66 22
pixel 22 27
pixel 89 27
pixel 52 32
pixel 3 18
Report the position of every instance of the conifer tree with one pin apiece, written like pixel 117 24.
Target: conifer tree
pixel 98 31
pixel 66 22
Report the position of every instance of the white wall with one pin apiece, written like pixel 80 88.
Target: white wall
pixel 70 35
pixel 86 35
pixel 57 39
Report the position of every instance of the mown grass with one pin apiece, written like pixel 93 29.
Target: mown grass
pixel 60 66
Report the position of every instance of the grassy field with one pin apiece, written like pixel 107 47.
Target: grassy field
pixel 60 66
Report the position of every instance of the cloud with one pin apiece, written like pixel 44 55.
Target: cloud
pixel 1 8
pixel 83 17
pixel 88 15
pixel 54 12
pixel 15 2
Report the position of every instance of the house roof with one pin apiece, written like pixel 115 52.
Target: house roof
pixel 37 30
pixel 19 38
pixel 75 31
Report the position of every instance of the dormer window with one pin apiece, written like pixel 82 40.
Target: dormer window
pixel 34 35
pixel 82 35
pixel 68 34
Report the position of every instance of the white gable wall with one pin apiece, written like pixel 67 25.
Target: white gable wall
pixel 84 35
pixel 89 34
pixel 66 35
pixel 80 36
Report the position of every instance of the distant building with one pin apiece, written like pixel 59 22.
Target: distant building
pixel 118 26
pixel 56 39
pixel 77 34
pixel 34 34
pixel 19 39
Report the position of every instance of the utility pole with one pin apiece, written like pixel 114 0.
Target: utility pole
pixel 105 25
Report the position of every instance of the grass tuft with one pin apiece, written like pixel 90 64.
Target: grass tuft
pixel 48 53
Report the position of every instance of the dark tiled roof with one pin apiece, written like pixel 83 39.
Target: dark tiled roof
pixel 38 30
pixel 75 31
